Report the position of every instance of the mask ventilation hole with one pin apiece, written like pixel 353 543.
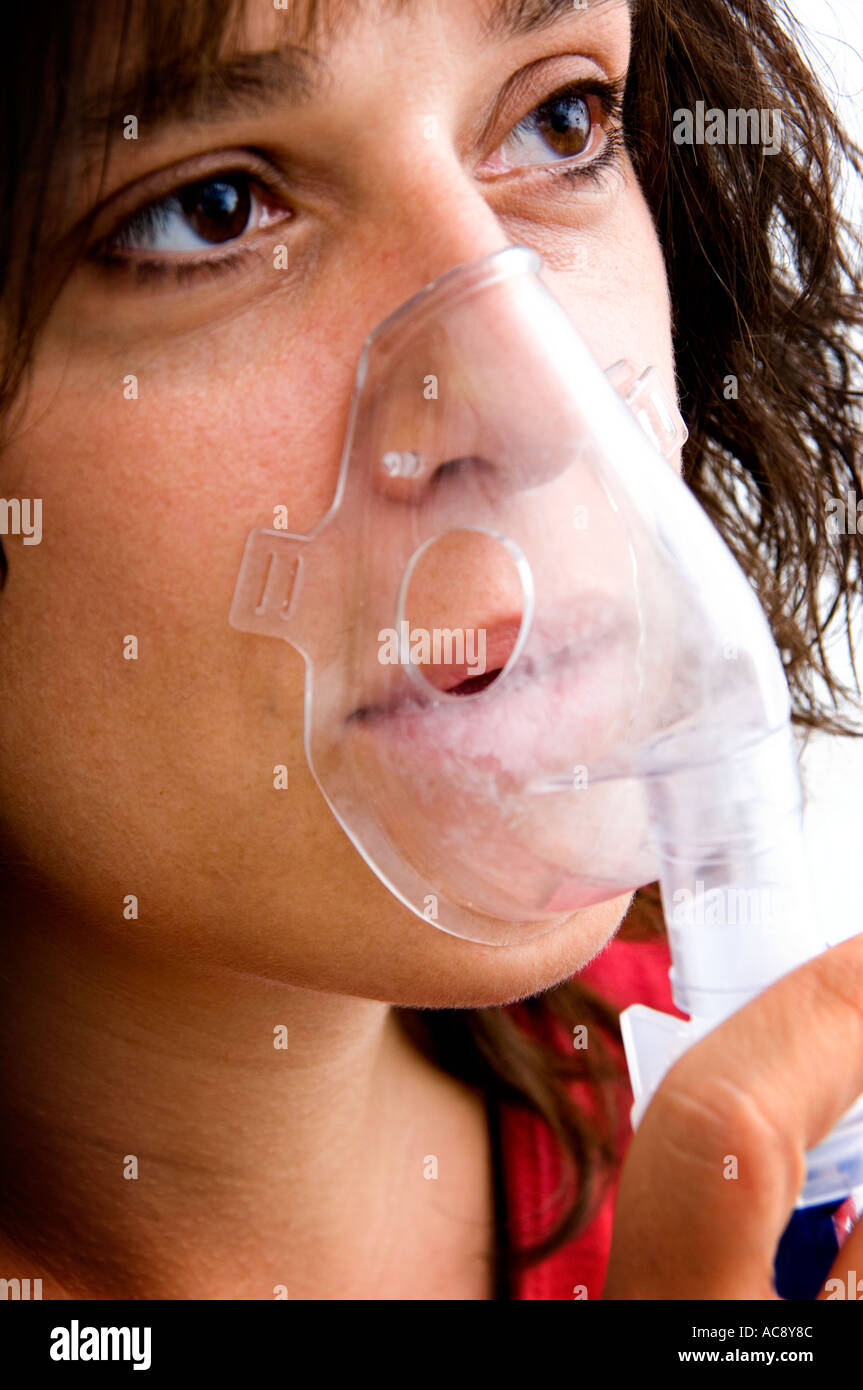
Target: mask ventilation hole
pixel 462 612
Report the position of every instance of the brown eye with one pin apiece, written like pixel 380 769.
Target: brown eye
pixel 565 124
pixel 218 209
pixel 566 128
pixel 197 217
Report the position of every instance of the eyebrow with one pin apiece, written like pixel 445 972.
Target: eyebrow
pixel 177 91
pixel 248 83
pixel 510 18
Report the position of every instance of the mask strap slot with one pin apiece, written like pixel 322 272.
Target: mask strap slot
pixel 268 584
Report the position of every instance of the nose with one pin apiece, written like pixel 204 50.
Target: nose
pixel 415 240
pixel 424 416
pixel 441 410
pixel 465 395
pixel 422 227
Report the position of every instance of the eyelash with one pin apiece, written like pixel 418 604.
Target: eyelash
pixel 599 166
pixel 609 96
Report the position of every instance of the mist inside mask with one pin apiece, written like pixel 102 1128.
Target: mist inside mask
pixel 536 677
pixel 529 618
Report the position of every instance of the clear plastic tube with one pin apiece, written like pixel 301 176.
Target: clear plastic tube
pixel 739 913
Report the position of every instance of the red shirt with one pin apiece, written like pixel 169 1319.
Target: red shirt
pixel 625 972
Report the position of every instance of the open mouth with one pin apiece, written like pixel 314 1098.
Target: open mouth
pixel 474 684
pixel 493 647
pixel 559 654
pixel 466 662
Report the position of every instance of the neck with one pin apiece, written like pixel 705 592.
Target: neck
pixel 178 1130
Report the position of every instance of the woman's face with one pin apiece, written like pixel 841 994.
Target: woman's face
pixel 188 383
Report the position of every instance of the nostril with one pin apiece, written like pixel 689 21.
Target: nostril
pixel 466 463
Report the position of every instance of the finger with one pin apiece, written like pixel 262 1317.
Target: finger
pixel 718 1161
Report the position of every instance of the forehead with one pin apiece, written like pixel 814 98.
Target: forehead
pixel 163 28
pixel 309 19
pixel 189 61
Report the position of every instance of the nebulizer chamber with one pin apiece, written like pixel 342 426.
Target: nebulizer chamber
pixel 536 678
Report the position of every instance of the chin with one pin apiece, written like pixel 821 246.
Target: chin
pixel 440 971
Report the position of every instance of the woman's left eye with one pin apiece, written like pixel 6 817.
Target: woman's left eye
pixel 568 127
pixel 197 217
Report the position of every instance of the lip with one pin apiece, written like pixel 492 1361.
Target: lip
pixel 570 689
pixel 500 639
pixel 422 687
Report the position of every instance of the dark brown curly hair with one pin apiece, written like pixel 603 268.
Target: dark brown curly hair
pixel 765 280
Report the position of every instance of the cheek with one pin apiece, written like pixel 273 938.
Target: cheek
pixel 147 502
pixel 614 287
pixel 151 482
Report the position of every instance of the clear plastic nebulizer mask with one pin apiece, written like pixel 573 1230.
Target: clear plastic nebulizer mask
pixel 536 678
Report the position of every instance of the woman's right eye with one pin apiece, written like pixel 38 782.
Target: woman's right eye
pixel 210 212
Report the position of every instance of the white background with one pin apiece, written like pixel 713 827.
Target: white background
pixel 835 30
